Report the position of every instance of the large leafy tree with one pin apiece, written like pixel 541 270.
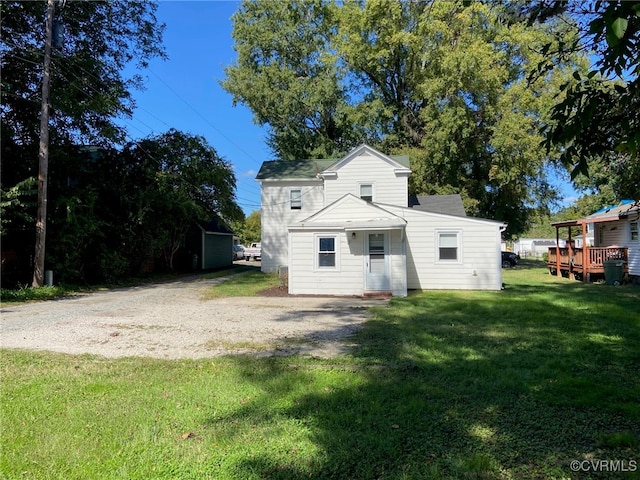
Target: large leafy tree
pixel 290 78
pixel 597 119
pixel 176 181
pixel 114 211
pixel 445 82
pixel 88 89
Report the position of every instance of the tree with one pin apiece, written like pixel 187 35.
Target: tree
pixel 88 89
pixel 179 181
pixel 84 90
pixel 597 119
pixel 252 230
pixel 445 82
pixel 288 76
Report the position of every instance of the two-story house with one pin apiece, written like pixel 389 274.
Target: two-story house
pixel 344 227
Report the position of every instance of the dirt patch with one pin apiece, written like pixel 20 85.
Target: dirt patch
pixel 170 320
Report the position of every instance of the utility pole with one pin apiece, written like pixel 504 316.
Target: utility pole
pixel 43 154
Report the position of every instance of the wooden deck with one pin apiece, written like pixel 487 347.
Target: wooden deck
pixel 573 263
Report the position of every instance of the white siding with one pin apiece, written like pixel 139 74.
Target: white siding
pixel 398 264
pixel 305 279
pixel 613 234
pixel 479 265
pixel 634 258
pixel 277 214
pixel 387 186
pixel 619 234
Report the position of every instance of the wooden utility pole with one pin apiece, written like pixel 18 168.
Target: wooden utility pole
pixel 43 155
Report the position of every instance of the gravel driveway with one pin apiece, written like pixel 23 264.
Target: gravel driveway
pixel 172 320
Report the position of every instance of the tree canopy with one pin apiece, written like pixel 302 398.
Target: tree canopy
pixel 445 82
pixel 115 204
pixel 596 121
pixel 88 89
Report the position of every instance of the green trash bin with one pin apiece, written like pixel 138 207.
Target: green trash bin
pixel 613 272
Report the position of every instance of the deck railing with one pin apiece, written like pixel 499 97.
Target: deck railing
pixel 597 256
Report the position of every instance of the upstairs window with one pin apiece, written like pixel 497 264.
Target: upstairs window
pixel 366 192
pixel 633 226
pixel 296 199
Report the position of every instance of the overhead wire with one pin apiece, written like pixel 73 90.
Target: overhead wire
pixel 241 200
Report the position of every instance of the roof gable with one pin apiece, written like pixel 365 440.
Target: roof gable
pixel 312 168
pixel 352 212
pixel 399 162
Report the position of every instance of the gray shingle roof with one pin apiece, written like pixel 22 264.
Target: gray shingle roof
pixel 445 204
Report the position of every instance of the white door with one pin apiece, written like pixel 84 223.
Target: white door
pixel 377 262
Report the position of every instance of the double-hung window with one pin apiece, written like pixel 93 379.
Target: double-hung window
pixel 633 226
pixel 448 246
pixel 296 199
pixel 326 252
pixel 366 192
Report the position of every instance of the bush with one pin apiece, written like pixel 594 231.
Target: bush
pixel 113 266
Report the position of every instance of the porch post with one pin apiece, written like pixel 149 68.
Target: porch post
pixel 558 272
pixel 586 256
pixel 572 276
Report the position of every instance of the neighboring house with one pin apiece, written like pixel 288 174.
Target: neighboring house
pixel 210 246
pixel 533 247
pixel 344 227
pixel 615 237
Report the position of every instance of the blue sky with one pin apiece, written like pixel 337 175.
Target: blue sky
pixel 184 93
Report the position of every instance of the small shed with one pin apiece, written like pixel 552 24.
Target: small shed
pixel 210 245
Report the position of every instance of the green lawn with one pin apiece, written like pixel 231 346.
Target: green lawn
pixel 446 385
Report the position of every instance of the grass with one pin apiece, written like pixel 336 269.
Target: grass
pixel 29 294
pixel 246 285
pixel 445 385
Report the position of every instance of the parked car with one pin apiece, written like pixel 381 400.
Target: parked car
pixel 238 252
pixel 510 259
pixel 253 252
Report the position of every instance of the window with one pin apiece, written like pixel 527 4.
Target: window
pixel 633 226
pixel 326 252
pixel 296 199
pixel 448 246
pixel 366 192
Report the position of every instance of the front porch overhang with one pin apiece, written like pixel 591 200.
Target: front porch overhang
pixel 372 224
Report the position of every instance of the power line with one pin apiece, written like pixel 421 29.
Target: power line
pixel 66 72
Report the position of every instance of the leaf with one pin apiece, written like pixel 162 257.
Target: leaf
pixel 619 27
pixel 187 435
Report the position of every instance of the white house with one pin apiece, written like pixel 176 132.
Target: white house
pixel 344 227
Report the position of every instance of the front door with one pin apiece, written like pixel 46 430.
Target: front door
pixel 377 262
